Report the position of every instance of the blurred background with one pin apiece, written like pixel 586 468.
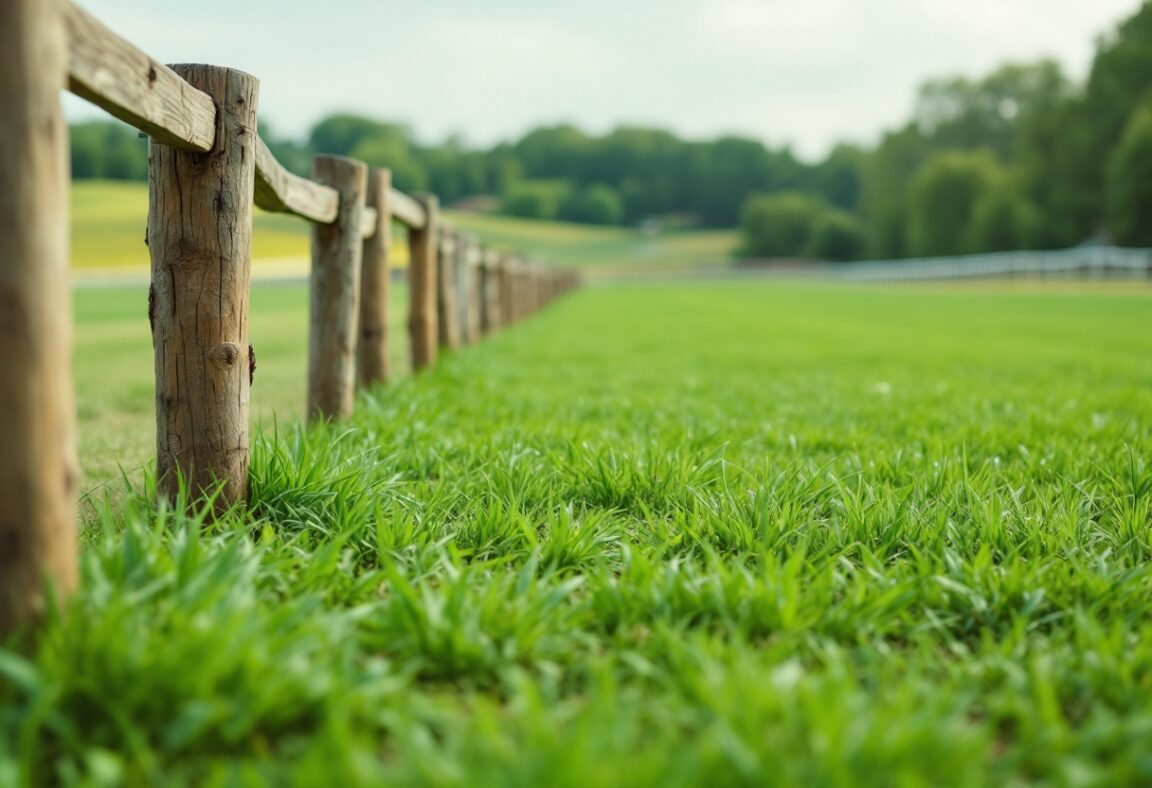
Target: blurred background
pixel 680 133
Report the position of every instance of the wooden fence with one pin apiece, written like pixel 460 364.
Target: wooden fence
pixel 207 168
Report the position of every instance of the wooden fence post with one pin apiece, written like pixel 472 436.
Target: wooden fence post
pixel 503 290
pixel 38 477
pixel 473 263
pixel 485 277
pixel 422 286
pixel 372 351
pixel 463 279
pixel 447 313
pixel 334 290
pixel 200 239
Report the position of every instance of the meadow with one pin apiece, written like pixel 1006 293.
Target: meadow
pixel 109 218
pixel 675 534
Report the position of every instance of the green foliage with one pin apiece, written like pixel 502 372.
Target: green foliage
pixel 393 152
pixel 537 199
pixel 1130 182
pixel 728 534
pixel 943 200
pixel 836 235
pixel 109 150
pixel 792 224
pixel 1004 219
pixel 596 204
pixel 779 225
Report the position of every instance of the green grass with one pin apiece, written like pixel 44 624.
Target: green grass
pixel 115 380
pixel 584 246
pixel 109 220
pixel 661 535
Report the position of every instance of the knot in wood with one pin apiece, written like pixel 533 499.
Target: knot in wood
pixel 225 353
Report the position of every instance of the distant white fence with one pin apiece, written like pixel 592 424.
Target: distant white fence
pixel 1092 262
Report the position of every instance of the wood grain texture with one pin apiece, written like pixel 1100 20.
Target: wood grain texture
pixel 280 191
pixel 422 321
pixel 38 477
pixel 114 75
pixel 447 312
pixel 373 364
pixel 368 222
pixel 200 240
pixel 407 210
pixel 334 291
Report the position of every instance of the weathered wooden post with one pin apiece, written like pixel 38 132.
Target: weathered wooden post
pixel 334 290
pixel 485 276
pixel 473 262
pixel 507 279
pixel 463 280
pixel 447 313
pixel 38 477
pixel 200 239
pixel 422 286
pixel 372 350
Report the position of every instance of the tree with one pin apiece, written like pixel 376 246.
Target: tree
pixel 537 199
pixel 885 179
pixel 836 235
pixel 1004 219
pixel 1130 182
pixel 108 149
pixel 837 178
pixel 340 134
pixel 943 199
pixel 596 204
pixel 408 174
pixel 779 225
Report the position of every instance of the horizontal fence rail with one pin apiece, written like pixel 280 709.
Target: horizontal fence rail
pixel 208 168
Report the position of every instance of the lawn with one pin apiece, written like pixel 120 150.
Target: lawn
pixel 109 219
pixel 708 534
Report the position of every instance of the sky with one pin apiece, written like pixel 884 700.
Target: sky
pixel 805 73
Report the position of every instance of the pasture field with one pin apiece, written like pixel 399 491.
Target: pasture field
pixel 109 220
pixel 115 381
pixel 671 534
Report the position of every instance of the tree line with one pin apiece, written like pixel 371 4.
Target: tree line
pixel 1022 157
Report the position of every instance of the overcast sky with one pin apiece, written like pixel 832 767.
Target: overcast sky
pixel 801 72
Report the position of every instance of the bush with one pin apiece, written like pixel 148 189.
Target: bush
pixel 836 235
pixel 1004 220
pixel 779 225
pixel 597 204
pixel 945 193
pixel 536 199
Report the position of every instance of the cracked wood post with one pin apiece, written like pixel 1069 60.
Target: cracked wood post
pixel 447 313
pixel 334 290
pixel 372 351
pixel 200 239
pixel 38 477
pixel 422 286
